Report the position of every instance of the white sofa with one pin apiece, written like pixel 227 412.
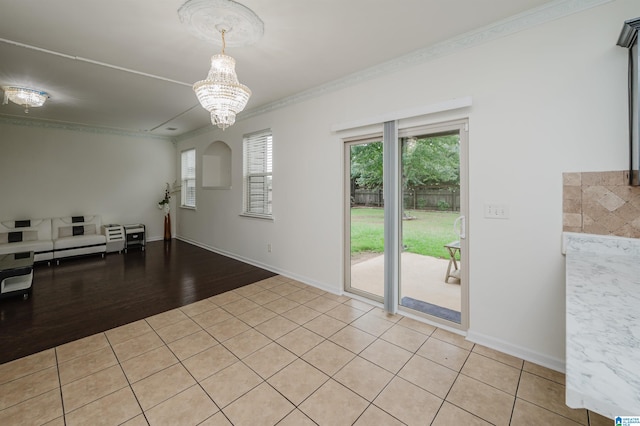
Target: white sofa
pixel 77 235
pixel 27 235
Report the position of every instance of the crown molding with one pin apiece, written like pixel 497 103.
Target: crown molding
pixel 47 124
pixel 549 12
pixel 537 16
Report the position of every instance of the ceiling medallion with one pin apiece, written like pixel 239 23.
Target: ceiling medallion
pixel 207 18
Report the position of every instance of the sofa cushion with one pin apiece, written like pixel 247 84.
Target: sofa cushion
pixel 36 246
pixel 65 231
pixel 79 241
pixel 27 235
pixel 70 231
pixel 63 227
pixel 17 236
pixel 39 229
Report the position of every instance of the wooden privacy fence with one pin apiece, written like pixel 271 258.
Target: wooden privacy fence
pixel 445 198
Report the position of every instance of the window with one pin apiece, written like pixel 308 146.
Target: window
pixel 258 158
pixel 189 178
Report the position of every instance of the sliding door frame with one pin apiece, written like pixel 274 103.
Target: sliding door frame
pixel 462 126
pixel 390 137
pixel 348 143
pixel 391 171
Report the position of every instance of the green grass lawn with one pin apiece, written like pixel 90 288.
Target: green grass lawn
pixel 426 234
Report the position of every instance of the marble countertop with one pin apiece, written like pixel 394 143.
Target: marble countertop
pixel 603 323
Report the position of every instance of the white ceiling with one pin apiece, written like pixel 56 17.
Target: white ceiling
pixel 130 64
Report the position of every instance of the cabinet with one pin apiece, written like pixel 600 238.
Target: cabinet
pixel 135 236
pixel 115 237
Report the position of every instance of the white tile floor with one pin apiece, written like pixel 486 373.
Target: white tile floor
pixel 280 352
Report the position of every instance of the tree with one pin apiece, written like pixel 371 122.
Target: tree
pixel 366 165
pixel 428 161
pixel 431 161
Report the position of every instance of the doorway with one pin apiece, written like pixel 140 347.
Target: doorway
pixel 430 276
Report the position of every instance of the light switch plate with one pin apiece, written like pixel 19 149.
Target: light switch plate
pixel 496 211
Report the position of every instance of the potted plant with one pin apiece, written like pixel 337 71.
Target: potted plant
pixel 166 206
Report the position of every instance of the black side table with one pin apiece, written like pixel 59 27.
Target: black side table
pixel 135 236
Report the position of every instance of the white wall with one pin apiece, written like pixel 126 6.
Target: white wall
pixel 53 172
pixel 546 100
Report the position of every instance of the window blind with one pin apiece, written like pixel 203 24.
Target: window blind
pixel 189 178
pixel 258 167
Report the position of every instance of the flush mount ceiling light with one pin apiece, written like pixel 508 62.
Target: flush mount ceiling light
pixel 221 93
pixel 28 98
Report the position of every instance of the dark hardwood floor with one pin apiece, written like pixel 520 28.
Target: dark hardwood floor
pixel 88 295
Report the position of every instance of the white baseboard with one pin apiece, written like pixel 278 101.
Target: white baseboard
pixel 284 273
pixel 517 351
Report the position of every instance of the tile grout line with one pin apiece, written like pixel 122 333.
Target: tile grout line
pixel 458 373
pixel 515 399
pixel 296 406
pixel 546 408
pixel 144 414
pixel 395 375
pixel 357 355
pixel 103 396
pixel 303 360
pixel 265 381
pixel 188 371
pixel 64 416
pixel 183 366
pixel 119 364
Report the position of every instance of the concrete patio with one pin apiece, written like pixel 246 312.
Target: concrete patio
pixel 422 279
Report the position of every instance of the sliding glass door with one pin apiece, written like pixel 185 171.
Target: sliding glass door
pixel 413 257
pixel 431 255
pixel 365 218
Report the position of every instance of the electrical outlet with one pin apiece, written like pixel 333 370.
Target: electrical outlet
pixel 496 211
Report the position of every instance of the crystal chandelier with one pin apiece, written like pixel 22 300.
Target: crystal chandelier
pixel 220 93
pixel 28 98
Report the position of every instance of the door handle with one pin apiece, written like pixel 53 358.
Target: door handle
pixel 459 226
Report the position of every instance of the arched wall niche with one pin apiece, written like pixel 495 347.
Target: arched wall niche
pixel 216 166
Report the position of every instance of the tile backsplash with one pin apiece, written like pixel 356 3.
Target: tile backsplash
pixel 600 203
